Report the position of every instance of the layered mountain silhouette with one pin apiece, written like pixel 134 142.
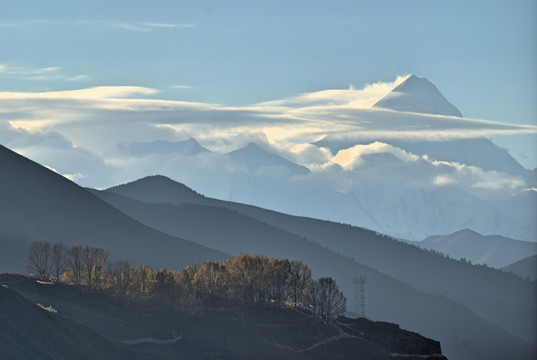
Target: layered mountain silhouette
pixel 525 268
pixel 493 250
pixel 419 95
pixel 254 158
pixel 422 291
pixel 38 204
pixel 236 228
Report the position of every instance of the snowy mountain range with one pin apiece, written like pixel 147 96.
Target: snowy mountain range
pixel 409 188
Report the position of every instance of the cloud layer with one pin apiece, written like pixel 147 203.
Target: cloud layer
pixel 88 124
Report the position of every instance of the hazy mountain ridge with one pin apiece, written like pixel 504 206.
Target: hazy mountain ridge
pixel 255 158
pixel 400 261
pixel 525 268
pixel 38 204
pixel 493 250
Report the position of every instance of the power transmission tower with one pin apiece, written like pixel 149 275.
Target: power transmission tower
pixel 359 294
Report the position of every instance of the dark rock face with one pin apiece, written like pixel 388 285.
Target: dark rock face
pixel 399 343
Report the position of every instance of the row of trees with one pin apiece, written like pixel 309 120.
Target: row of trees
pixel 249 279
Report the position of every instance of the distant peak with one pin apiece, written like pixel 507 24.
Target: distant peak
pixel 417 94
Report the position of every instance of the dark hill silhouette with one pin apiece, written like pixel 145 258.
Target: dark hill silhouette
pixel 494 250
pixel 227 331
pixel 232 230
pixel 38 204
pixel 30 332
pixel 525 268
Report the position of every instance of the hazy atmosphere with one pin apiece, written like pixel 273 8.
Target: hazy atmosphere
pixel 222 169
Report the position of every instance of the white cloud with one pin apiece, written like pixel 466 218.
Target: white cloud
pixel 50 73
pixel 351 97
pixel 186 87
pixel 352 158
pixel 149 26
pixel 79 78
pixel 472 177
pixel 443 180
pixel 310 155
pixel 99 118
pixel 166 25
pixel 72 177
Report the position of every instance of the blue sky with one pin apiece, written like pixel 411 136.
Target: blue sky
pixel 481 55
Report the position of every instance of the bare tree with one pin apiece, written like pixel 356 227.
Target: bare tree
pixel 121 276
pixel 300 283
pixel 39 258
pixel 329 301
pixel 93 265
pixel 59 259
pixel 74 263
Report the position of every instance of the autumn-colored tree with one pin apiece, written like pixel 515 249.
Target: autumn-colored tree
pixel 120 275
pixel 167 287
pixel 143 277
pixel 74 264
pixel 211 280
pixel 39 258
pixel 247 278
pixel 278 273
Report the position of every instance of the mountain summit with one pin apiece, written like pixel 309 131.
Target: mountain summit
pixel 419 95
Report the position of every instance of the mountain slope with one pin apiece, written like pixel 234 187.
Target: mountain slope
pixel 29 332
pixel 255 158
pixel 493 250
pixel 38 204
pixel 419 95
pixel 525 268
pixel 231 230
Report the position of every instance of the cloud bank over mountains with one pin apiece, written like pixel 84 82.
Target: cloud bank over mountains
pixel 108 135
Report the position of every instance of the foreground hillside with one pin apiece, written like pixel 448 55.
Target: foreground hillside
pixel 107 328
pixel 30 332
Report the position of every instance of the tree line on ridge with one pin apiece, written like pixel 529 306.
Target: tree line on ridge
pixel 247 279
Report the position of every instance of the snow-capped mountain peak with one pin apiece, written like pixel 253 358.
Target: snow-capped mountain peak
pixel 417 94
